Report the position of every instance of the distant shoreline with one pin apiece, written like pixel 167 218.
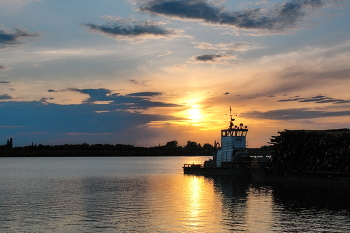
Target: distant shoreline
pixel 99 150
pixel 107 150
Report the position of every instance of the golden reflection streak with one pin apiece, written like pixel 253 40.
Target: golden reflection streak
pixel 195 192
pixel 190 201
pixel 203 207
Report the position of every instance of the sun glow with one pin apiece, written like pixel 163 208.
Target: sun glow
pixel 194 113
pixel 195 116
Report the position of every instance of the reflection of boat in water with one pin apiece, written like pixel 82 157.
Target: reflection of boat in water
pixel 230 158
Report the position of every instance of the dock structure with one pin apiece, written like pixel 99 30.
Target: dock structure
pixel 316 152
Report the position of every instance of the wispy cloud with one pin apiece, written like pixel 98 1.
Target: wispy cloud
pixel 279 18
pixel 141 83
pixel 96 94
pixel 5 97
pixel 213 58
pixel 165 54
pixel 4 68
pixel 10 126
pixel 293 114
pixel 319 99
pixel 319 69
pixel 122 29
pixel 88 134
pixel 12 38
pixel 236 46
pixel 143 94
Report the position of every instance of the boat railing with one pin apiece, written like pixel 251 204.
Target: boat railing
pixel 192 165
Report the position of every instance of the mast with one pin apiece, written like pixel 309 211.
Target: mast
pixel 231 119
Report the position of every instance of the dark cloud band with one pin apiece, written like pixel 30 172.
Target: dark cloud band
pixel 7 38
pixel 138 100
pixel 207 57
pixel 293 114
pixel 213 58
pixel 3 68
pixel 320 99
pixel 277 19
pixel 144 94
pixel 5 97
pixel 132 30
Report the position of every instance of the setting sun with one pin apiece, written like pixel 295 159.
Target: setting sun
pixel 194 113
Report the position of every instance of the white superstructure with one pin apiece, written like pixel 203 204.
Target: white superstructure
pixel 233 142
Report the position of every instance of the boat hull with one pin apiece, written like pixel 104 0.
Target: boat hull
pixel 228 168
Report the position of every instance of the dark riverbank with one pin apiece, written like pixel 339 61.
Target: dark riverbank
pixel 106 150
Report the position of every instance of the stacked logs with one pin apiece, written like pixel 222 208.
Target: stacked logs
pixel 311 152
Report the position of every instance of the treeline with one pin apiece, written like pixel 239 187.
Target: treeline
pixel 171 148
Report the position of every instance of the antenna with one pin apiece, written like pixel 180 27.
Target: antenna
pixel 231 119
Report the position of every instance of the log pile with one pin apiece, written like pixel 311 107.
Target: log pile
pixel 311 152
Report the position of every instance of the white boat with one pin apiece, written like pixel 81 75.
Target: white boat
pixel 231 157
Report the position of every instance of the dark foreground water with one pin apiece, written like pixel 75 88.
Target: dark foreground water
pixel 153 195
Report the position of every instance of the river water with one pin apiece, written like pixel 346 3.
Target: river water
pixel 151 194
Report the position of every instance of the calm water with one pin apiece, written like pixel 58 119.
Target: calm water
pixel 153 195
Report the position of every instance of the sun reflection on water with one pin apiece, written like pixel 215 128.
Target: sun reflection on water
pixel 195 203
pixel 200 205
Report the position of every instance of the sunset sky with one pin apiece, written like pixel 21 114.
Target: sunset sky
pixel 144 72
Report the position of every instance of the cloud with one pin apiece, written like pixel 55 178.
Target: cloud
pixel 44 100
pixel 319 99
pixel 165 54
pixel 213 58
pixel 107 101
pixel 279 18
pixel 8 38
pixel 131 30
pixel 142 83
pixel 207 57
pixel 5 97
pixel 103 116
pixel 10 126
pixel 307 71
pixel 90 134
pixel 339 74
pixel 236 46
pixel 56 120
pixel 96 94
pixel 145 94
pixel 292 114
pixel 3 68
pixel 5 82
